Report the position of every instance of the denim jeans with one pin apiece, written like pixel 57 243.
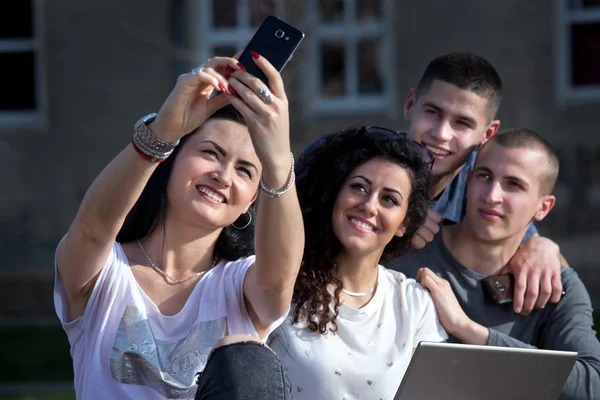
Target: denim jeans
pixel 243 371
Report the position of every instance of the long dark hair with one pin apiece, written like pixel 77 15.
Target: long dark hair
pixel 321 172
pixel 150 209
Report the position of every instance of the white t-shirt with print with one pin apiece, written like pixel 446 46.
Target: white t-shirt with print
pixel 368 355
pixel 124 348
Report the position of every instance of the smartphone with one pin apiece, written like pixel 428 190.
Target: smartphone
pixel 500 287
pixel 276 40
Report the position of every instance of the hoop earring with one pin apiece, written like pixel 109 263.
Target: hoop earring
pixel 247 223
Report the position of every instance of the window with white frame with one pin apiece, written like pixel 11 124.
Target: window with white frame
pixel 21 75
pixel 227 25
pixel 578 50
pixel 350 48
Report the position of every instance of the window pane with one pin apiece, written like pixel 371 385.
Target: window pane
pixel 370 66
pixel 223 51
pixel 259 9
pixel 17 81
pixel 16 19
pixel 368 10
pixel 224 13
pixel 585 57
pixel 333 67
pixel 332 10
pixel 579 4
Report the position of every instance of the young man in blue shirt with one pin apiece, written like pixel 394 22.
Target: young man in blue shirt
pixel 452 112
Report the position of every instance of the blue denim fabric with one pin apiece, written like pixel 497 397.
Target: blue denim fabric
pixel 243 371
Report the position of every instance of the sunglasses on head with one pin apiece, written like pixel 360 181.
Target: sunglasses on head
pixel 370 131
pixel 384 133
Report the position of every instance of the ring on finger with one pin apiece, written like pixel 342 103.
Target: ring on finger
pixel 200 67
pixel 265 95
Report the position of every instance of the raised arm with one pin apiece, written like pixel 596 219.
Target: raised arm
pixel 85 248
pixel 279 236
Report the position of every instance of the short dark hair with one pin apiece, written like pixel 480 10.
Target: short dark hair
pixel 466 71
pixel 523 138
pixel 321 171
pixel 151 207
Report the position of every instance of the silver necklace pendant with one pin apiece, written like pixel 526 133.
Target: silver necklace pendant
pixel 163 273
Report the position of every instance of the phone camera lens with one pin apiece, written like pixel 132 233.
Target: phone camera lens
pixel 500 287
pixel 279 33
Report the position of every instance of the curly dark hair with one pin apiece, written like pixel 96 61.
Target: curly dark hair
pixel 321 170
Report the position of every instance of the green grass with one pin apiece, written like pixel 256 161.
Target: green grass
pixel 35 354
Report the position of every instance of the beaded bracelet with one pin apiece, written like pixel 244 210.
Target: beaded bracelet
pixel 147 144
pixel 146 156
pixel 278 193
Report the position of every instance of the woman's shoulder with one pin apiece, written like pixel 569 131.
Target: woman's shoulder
pixel 240 262
pixel 397 278
pixel 404 284
pixel 117 257
pixel 232 269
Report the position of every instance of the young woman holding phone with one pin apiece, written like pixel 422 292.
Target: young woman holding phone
pixel 156 280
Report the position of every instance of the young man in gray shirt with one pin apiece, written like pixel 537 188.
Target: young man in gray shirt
pixel 509 188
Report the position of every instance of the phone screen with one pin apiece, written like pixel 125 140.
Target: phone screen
pixel 276 40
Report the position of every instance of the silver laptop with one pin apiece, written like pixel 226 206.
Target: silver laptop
pixel 467 372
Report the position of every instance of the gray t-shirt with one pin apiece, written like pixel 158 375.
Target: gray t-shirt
pixel 567 325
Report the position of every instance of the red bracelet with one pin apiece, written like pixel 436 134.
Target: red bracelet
pixel 144 155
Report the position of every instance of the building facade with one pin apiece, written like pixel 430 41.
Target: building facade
pixel 77 75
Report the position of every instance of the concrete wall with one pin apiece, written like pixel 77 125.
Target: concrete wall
pixel 520 40
pixel 107 62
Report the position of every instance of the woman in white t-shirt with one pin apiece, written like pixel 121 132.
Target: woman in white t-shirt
pixel 354 324
pixel 156 272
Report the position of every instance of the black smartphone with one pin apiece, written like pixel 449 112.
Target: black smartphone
pixel 276 40
pixel 500 287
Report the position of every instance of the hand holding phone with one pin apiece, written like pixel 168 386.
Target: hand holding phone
pixel 275 40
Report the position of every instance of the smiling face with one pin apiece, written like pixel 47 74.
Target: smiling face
pixel 215 176
pixel 371 207
pixel 504 192
pixel 450 122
